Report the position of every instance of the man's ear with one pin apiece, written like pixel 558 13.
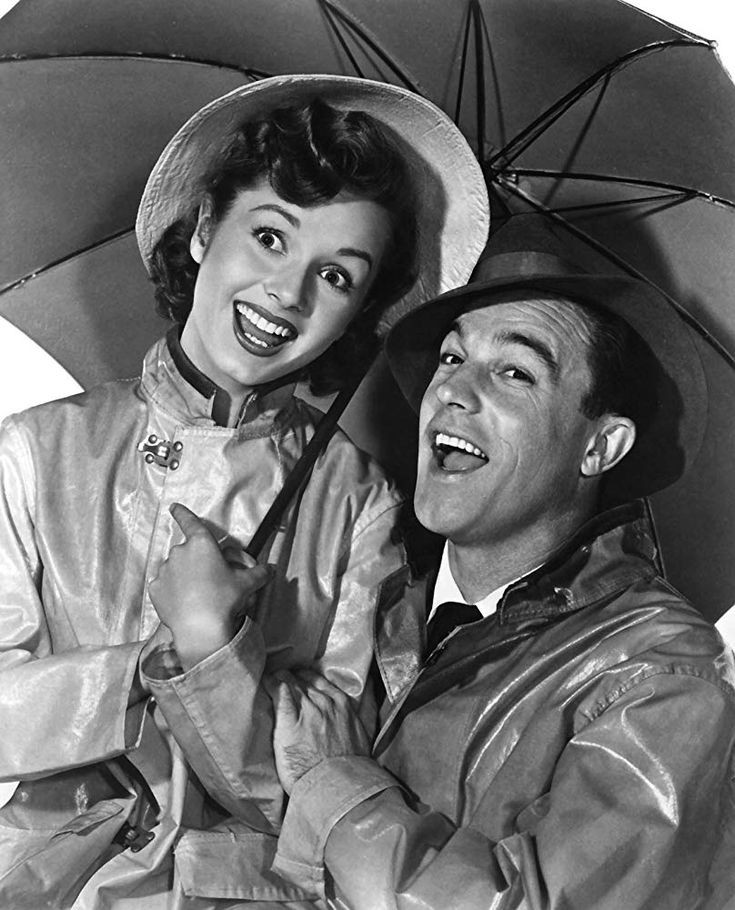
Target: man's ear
pixel 203 231
pixel 611 442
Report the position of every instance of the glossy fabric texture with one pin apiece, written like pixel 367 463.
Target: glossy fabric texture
pixel 573 751
pixel 84 522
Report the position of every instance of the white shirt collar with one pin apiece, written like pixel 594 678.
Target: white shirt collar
pixel 446 589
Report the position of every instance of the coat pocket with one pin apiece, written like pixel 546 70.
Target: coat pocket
pixel 57 831
pixel 233 862
pixel 46 869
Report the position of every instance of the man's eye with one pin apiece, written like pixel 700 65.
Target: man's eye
pixel 338 279
pixel 450 359
pixel 518 375
pixel 270 239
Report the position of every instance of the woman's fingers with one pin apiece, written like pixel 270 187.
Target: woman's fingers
pixel 191 524
pixel 237 557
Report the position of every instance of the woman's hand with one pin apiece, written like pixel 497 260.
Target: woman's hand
pixel 314 720
pixel 199 593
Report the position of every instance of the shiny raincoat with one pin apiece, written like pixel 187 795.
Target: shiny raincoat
pixel 574 751
pixel 84 522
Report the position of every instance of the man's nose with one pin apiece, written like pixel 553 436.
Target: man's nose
pixel 288 287
pixel 459 390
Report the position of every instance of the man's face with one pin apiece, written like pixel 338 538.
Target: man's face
pixel 501 434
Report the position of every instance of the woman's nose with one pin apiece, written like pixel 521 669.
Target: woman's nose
pixel 288 286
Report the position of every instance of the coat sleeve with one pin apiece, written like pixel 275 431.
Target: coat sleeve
pixel 221 715
pixel 631 818
pixel 50 706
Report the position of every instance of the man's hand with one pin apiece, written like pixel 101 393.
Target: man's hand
pixel 199 593
pixel 314 720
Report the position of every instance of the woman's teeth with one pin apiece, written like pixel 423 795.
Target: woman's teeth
pixel 260 322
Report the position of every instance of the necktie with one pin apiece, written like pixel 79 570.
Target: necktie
pixel 447 617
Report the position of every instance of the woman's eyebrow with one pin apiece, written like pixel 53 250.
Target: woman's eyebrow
pixel 273 207
pixel 360 254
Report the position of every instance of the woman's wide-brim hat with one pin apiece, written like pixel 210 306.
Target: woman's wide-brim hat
pixel 531 257
pixel 453 210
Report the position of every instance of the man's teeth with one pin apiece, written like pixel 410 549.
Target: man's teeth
pixel 456 442
pixel 260 322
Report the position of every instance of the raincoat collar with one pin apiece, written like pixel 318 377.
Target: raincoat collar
pixel 606 555
pixel 173 381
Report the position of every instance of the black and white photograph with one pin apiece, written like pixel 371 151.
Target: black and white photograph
pixel 367 488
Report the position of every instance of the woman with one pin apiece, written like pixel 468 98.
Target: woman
pixel 278 224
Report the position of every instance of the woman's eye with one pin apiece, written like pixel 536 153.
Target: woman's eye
pixel 338 279
pixel 270 239
pixel 450 359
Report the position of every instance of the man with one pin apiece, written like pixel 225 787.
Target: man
pixel 571 745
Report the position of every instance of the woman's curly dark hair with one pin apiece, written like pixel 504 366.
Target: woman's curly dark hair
pixel 309 153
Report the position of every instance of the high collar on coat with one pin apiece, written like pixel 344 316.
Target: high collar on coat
pixel 177 385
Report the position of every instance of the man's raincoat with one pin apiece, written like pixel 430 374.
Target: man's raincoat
pixel 573 751
pixel 85 490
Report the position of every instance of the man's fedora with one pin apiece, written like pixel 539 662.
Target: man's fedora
pixel 531 255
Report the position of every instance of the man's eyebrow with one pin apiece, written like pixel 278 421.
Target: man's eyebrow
pixel 540 348
pixel 273 207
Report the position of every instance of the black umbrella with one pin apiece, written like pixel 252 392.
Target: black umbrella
pixel 589 111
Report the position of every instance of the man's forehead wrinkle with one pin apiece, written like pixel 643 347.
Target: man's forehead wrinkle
pixel 539 347
pixel 559 325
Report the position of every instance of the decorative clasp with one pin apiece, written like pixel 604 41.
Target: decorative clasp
pixel 161 452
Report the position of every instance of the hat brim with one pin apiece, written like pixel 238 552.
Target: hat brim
pixel 671 442
pixel 453 209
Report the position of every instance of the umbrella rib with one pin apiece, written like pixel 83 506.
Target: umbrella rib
pixel 673 188
pixel 544 121
pixel 462 67
pixel 623 203
pixel 582 135
pixel 476 17
pixel 19 282
pixel 476 14
pixel 691 320
pixel 371 43
pixel 176 58
pixel 331 21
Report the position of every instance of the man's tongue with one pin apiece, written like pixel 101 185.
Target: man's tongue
pixel 458 460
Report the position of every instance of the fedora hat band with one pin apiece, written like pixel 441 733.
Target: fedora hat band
pixel 521 264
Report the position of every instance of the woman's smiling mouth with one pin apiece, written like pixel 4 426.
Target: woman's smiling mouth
pixel 260 332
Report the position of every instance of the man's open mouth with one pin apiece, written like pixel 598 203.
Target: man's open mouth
pixel 261 332
pixel 455 453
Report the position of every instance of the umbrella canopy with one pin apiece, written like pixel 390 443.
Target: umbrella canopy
pixel 586 110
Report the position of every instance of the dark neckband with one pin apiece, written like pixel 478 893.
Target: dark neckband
pixel 191 373
pixel 203 384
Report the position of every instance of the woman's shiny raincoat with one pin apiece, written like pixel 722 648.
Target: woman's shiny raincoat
pixel 85 492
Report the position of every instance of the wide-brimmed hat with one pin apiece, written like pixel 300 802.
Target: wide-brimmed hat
pixel 530 255
pixel 453 211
